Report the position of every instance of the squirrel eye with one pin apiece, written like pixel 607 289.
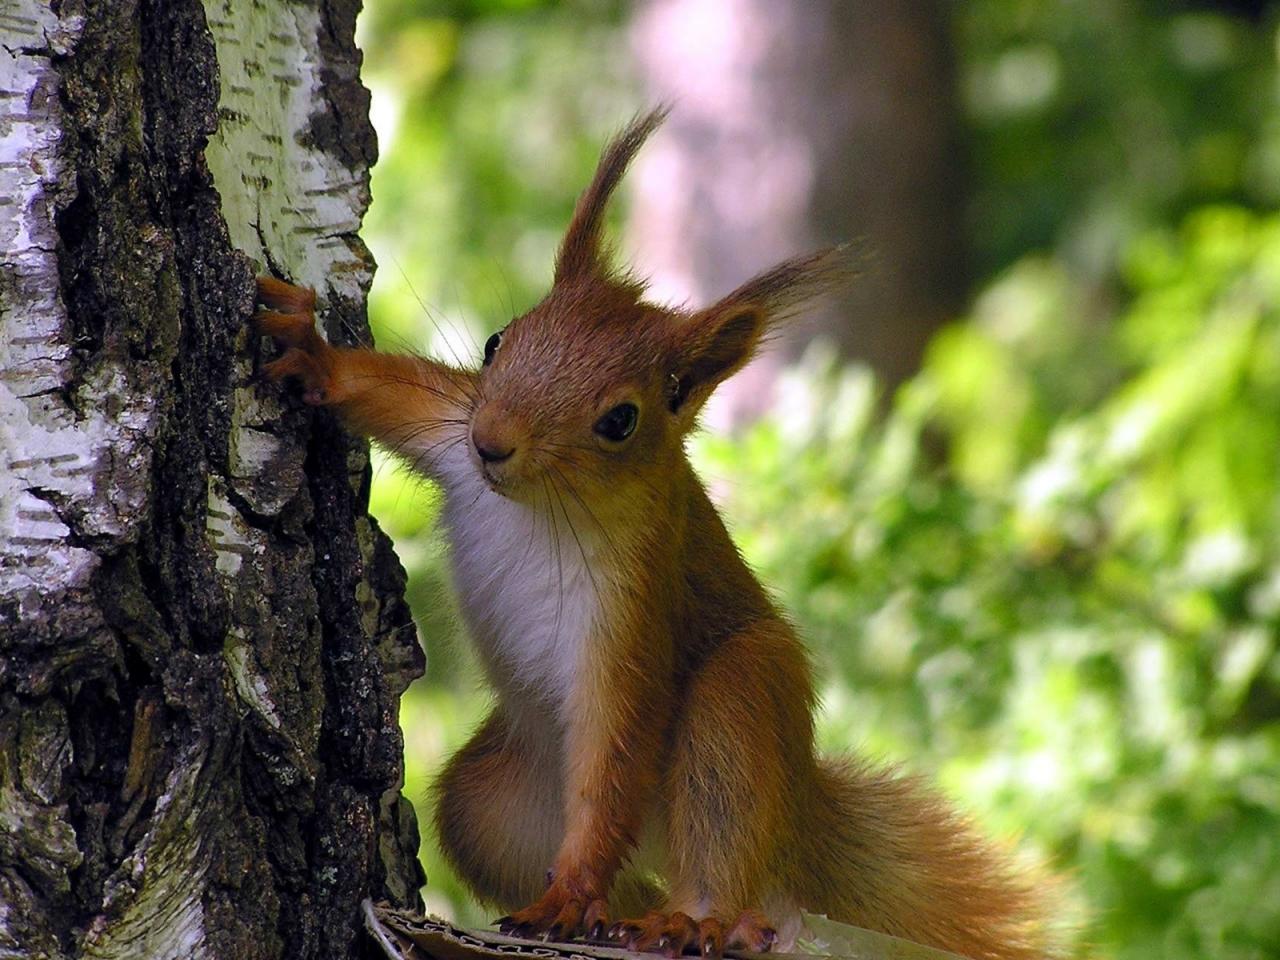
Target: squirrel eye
pixel 491 347
pixel 618 423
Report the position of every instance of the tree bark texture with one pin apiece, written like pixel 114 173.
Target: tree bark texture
pixel 798 125
pixel 203 638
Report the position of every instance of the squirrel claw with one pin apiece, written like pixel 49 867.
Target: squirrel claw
pixel 284 296
pixel 557 916
pixel 672 934
pixel 596 920
pixel 751 931
pixel 288 317
pixel 508 927
pixel 307 363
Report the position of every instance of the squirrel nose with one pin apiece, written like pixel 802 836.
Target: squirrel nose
pixel 490 455
pixel 493 434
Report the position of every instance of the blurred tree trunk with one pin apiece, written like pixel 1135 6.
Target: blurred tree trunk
pixel 203 639
pixel 798 125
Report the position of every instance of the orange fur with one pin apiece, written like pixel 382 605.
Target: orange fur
pixel 651 699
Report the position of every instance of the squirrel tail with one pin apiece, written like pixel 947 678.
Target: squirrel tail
pixel 891 855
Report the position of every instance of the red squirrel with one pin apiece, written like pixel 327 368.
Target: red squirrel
pixel 647 776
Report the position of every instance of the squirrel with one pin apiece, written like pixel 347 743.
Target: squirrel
pixel 647 776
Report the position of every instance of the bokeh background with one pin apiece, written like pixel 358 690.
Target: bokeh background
pixel 1019 488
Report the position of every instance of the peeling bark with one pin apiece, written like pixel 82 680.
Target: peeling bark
pixel 203 637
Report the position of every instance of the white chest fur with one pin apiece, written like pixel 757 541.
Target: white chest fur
pixel 526 587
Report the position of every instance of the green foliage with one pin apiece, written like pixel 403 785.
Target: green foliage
pixel 1090 120
pixel 1073 621
pixel 489 131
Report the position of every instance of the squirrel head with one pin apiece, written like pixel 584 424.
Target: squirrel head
pixel 595 388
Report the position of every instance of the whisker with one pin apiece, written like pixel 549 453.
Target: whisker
pixel 494 292
pixel 586 563
pixel 573 492
pixel 528 547
pixel 479 494
pixel 381 379
pixel 401 444
pixel 439 449
pixel 555 542
pixel 430 315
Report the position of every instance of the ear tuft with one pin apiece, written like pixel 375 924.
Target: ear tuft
pixel 782 290
pixel 580 249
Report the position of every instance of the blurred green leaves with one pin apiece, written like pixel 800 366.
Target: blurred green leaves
pixel 487 133
pixel 1091 120
pixel 1073 619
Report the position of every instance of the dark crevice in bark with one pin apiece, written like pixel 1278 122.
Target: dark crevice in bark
pixel 342 128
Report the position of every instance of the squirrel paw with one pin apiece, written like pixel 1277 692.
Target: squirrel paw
pixel 674 934
pixel 290 320
pixel 557 916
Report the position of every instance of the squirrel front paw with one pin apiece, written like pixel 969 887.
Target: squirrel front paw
pixel 288 317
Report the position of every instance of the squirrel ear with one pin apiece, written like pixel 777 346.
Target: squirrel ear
pixel 720 341
pixel 580 249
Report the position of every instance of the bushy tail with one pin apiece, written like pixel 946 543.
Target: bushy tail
pixel 891 855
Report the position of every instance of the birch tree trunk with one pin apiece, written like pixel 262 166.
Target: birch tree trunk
pixel 203 638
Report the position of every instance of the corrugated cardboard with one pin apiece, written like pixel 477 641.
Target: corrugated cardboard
pixel 406 936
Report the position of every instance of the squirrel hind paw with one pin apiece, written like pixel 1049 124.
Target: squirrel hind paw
pixel 556 917
pixel 674 934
